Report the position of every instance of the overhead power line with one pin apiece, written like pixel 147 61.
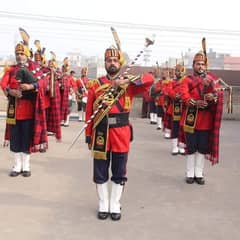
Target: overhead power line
pixel 91 36
pixel 71 20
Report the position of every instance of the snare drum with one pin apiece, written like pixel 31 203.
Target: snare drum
pixel 84 99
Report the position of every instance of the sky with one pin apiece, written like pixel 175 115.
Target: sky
pixel 178 26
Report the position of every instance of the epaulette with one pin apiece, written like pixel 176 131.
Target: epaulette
pixel 9 68
pixel 166 81
pixel 103 86
pixel 133 78
pixel 6 68
pixel 91 82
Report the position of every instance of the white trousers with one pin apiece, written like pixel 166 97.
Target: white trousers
pixel 195 165
pixel 103 204
pixel 116 193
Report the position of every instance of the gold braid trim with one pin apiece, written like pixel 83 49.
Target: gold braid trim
pixel 99 155
pixel 103 112
pixel 102 96
pixel 105 86
pixel 166 81
pixel 133 78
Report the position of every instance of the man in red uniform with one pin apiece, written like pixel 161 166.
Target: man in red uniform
pixel 156 91
pixel 52 95
pixel 145 104
pixel 152 108
pixel 67 87
pixel 201 118
pixel 110 133
pixel 82 85
pixel 174 109
pixel 26 127
pixel 166 80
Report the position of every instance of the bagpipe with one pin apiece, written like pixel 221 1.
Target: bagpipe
pixel 26 76
pixel 218 84
pixel 111 94
pixel 221 85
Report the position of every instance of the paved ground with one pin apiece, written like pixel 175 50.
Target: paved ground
pixel 59 201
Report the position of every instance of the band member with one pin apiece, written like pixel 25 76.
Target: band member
pixel 145 104
pixel 166 80
pixel 201 118
pixel 174 108
pixel 156 92
pixel 26 122
pixel 53 98
pixel 82 85
pixel 152 108
pixel 67 87
pixel 110 133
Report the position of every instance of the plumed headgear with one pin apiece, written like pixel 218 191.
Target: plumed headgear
pixel 114 52
pixel 23 47
pixel 199 57
pixel 39 55
pixel 53 61
pixel 84 71
pixel 65 66
pixel 180 68
pixel 20 48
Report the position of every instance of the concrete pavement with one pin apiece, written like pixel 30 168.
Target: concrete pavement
pixel 59 202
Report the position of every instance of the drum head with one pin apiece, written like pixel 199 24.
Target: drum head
pixel 84 99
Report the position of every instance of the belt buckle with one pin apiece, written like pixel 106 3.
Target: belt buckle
pixel 112 120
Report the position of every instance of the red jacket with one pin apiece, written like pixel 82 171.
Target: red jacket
pixel 173 88
pixel 83 89
pixel 24 107
pixel 190 89
pixel 80 80
pixel 118 138
pixel 29 108
pixel 159 99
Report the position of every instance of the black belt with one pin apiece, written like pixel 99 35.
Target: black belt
pixel 207 108
pixel 118 119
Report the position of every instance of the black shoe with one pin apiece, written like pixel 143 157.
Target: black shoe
pixel 158 128
pixel 200 180
pixel 103 215
pixel 26 173
pixel 115 216
pixel 14 174
pixel 189 180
